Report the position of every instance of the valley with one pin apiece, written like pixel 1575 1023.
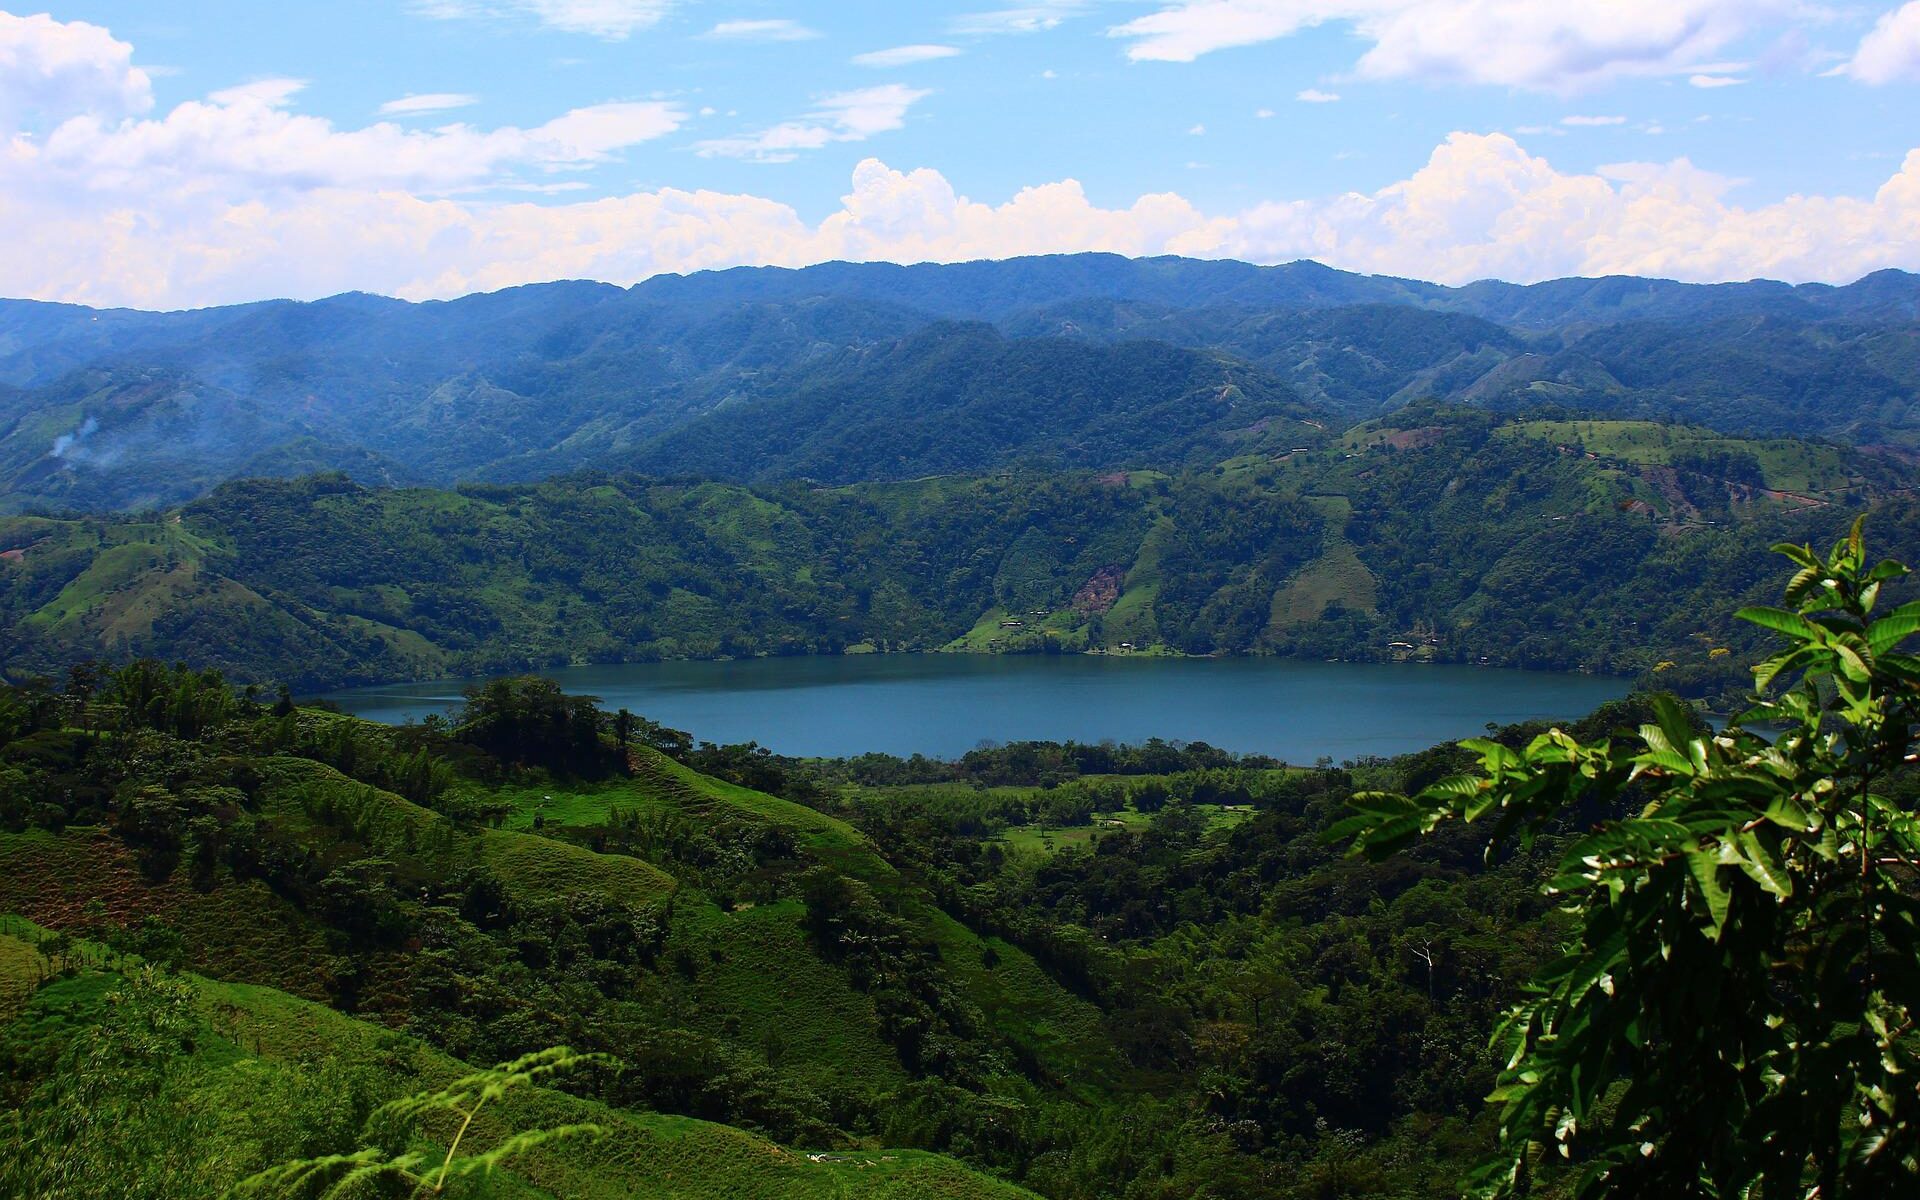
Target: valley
pixel 858 719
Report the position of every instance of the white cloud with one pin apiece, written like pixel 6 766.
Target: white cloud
pixel 1481 206
pixel 52 69
pixel 771 30
pixel 843 117
pixel 1714 81
pixel 244 142
pixel 239 195
pixel 1264 114
pixel 904 56
pixel 1197 131
pixel 1316 96
pixel 1592 122
pixel 428 102
pixel 610 20
pixel 1559 47
pixel 1891 50
pixel 1037 17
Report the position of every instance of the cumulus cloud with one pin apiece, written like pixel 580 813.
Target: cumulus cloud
pixel 1891 50
pixel 239 195
pixel 771 30
pixel 52 69
pixel 842 117
pixel 1560 47
pixel 903 56
pixel 245 140
pixel 1578 121
pixel 1316 96
pixel 1481 206
pixel 1714 81
pixel 610 20
pixel 428 102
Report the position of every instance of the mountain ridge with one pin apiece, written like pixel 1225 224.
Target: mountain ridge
pixel 104 410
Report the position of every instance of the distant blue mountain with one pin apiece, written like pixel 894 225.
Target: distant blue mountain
pixel 847 370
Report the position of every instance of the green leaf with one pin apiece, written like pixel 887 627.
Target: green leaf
pixel 1890 630
pixel 1803 555
pixel 1802 582
pixel 1786 812
pixel 1763 865
pixel 1674 720
pixel 1705 866
pixel 1781 621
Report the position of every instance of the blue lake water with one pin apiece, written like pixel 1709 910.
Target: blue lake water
pixel 946 704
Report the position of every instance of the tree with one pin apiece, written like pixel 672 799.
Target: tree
pixel 531 722
pixel 1736 1016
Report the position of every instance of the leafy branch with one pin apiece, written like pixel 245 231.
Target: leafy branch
pixel 1736 1016
pixel 413 1173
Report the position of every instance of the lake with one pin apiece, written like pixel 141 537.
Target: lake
pixel 946 704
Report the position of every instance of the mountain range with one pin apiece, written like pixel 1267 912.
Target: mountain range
pixel 846 372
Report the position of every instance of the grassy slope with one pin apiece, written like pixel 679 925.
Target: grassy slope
pixel 753 977
pixel 1019 1000
pixel 1789 464
pixel 1336 577
pixel 261 1042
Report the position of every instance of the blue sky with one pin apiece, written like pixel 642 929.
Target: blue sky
pixel 174 153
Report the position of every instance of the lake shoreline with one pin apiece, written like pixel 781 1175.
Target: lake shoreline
pixel 321 691
pixel 943 705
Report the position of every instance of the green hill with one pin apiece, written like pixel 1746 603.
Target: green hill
pixel 1422 533
pixel 257 1074
pixel 229 932
pixel 747 960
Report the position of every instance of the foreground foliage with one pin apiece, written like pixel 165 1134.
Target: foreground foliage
pixel 392 1166
pixel 1737 1014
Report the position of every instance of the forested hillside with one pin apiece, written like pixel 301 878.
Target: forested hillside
pixel 846 372
pixel 813 993
pixel 1435 535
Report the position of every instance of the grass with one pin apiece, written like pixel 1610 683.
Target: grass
pixel 1336 577
pixel 269 1067
pixel 20 968
pixel 758 967
pixel 750 978
pixel 241 930
pixel 111 570
pixel 1051 839
pixel 1788 465
pixel 1018 999
pixel 535 866
pixel 759 984
pixel 1131 618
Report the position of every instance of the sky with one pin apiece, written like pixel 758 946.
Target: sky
pixel 162 154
